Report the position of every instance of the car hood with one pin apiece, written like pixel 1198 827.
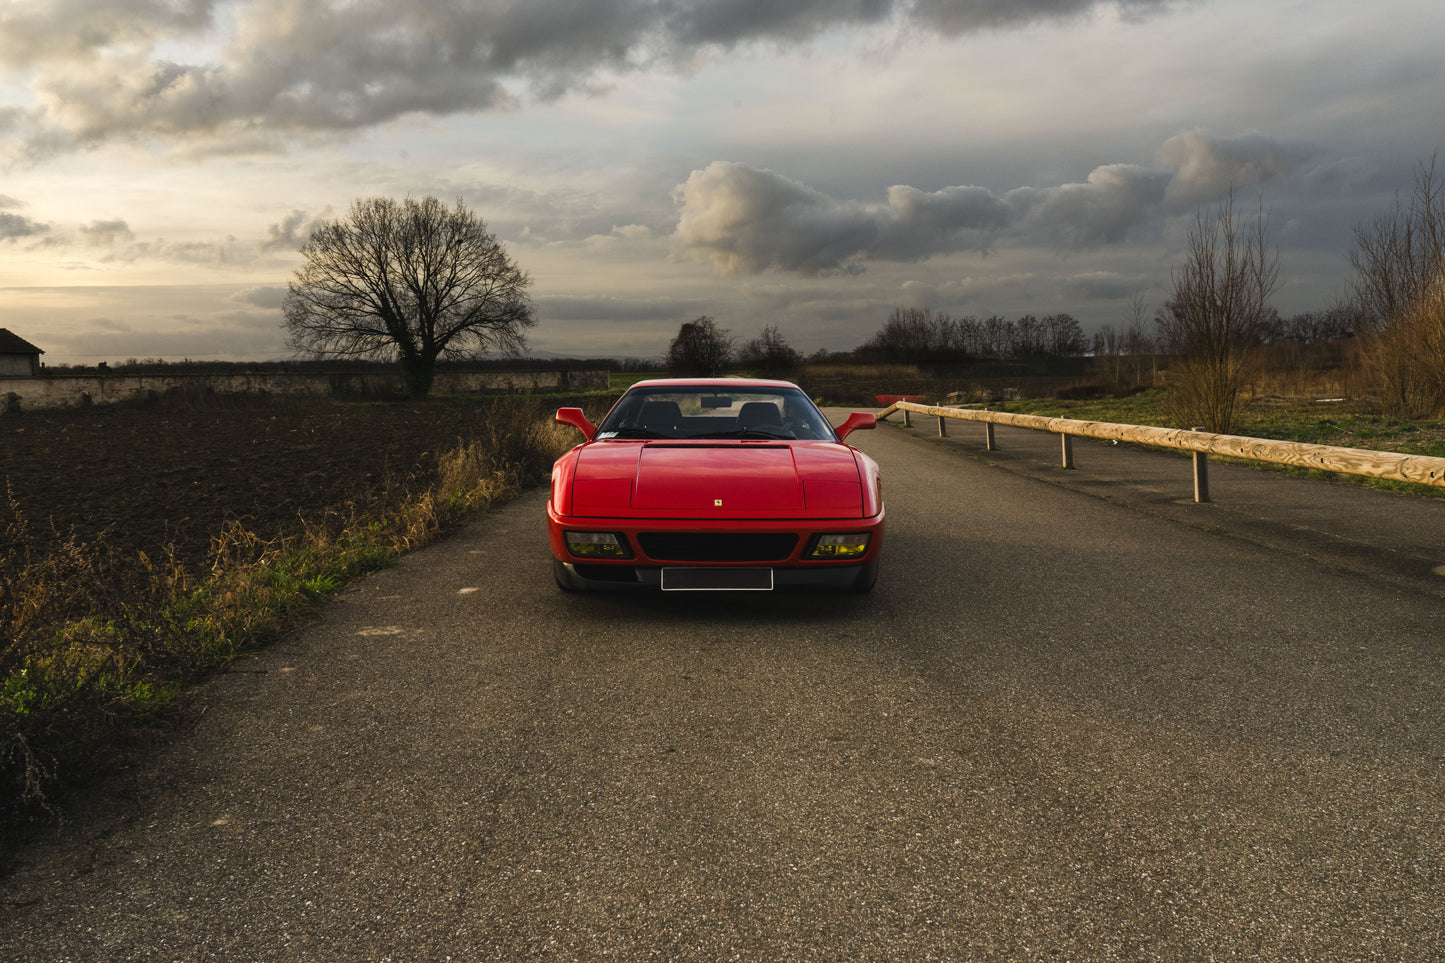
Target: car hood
pixel 717 480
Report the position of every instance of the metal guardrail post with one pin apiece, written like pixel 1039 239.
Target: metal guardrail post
pixel 988 444
pixel 1201 474
pixel 942 427
pixel 1067 445
pixel 1201 477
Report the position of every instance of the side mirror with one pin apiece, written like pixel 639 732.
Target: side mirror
pixel 857 421
pixel 575 418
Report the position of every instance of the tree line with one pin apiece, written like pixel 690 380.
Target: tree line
pixel 416 282
pixel 914 336
pixel 922 335
pixel 925 337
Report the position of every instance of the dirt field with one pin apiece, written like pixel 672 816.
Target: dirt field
pixel 174 473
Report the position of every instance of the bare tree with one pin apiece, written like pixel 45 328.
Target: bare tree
pixel 1063 337
pixel 1107 346
pixel 1399 289
pixel 412 281
pixel 998 337
pixel 1028 337
pixel 921 336
pixel 1213 323
pixel 1134 340
pixel 700 349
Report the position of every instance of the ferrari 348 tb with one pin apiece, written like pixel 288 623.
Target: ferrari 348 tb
pixel 715 484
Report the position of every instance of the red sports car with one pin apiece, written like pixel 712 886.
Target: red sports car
pixel 715 484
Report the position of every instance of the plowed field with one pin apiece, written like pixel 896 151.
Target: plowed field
pixel 173 474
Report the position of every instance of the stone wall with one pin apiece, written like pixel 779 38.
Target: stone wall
pixel 20 394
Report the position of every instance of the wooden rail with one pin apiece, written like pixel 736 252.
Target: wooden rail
pixel 1418 469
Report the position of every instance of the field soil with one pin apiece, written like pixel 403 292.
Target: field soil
pixel 172 475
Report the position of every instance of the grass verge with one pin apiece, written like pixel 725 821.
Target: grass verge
pixel 96 643
pixel 1341 423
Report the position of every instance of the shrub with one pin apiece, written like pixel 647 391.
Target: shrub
pixel 1399 286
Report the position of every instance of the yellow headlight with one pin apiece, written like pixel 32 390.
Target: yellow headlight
pixel 597 545
pixel 854 545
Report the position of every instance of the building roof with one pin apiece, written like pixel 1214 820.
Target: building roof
pixel 14 344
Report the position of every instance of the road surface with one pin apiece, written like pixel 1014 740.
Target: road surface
pixel 1060 728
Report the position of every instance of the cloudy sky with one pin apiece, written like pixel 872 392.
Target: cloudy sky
pixel 805 163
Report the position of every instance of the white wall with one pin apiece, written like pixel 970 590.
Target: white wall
pixel 71 392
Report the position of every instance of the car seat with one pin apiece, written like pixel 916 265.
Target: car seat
pixel 759 414
pixel 663 417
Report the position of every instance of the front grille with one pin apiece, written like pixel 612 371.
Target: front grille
pixel 712 547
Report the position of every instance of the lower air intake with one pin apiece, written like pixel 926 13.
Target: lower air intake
pixel 697 547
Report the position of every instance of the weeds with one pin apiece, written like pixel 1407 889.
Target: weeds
pixel 94 641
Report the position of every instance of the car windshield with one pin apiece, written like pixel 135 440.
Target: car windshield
pixel 709 411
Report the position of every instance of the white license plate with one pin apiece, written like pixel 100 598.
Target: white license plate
pixel 717 580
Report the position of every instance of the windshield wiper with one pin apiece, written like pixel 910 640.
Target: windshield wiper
pixel 634 431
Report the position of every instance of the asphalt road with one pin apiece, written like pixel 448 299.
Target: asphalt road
pixel 1061 728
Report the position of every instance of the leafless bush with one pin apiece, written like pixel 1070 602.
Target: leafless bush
pixel 1214 321
pixel 1399 286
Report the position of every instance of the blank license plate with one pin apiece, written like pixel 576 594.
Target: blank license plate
pixel 717 580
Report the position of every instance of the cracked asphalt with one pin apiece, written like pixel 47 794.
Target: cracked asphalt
pixel 1074 721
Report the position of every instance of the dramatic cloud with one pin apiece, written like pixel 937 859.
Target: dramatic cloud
pixel 106 233
pixel 1102 210
pixel 1100 286
pixel 741 220
pixel 14 226
pixel 258 69
pixel 1045 155
pixel 292 231
pixel 112 241
pixel 745 221
pixel 266 296
pixel 962 16
pixel 37 31
pixel 1207 167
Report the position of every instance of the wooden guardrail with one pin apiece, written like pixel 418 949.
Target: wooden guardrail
pixel 1419 469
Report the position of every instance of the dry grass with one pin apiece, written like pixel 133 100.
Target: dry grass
pixel 864 372
pixel 96 640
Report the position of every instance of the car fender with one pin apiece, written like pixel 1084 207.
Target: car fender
pixel 564 470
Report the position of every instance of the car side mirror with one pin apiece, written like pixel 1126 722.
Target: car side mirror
pixel 575 418
pixel 857 421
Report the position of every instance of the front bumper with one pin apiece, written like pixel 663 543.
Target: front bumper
pixel 786 570
pixel 592 577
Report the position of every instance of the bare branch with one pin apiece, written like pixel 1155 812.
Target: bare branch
pixel 411 280
pixel 1218 313
pixel 1399 288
